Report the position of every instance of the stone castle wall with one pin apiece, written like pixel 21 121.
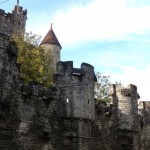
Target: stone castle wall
pixel 64 116
pixel 9 77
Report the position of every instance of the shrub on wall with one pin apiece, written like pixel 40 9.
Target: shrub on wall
pixel 33 60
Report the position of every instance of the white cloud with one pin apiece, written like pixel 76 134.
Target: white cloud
pixel 101 20
pixel 98 20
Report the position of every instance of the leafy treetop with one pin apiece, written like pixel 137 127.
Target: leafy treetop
pixel 34 65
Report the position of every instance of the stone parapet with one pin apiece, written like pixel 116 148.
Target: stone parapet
pixel 77 86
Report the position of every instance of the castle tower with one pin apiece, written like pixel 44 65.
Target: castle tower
pixel 78 104
pixel 19 17
pixel 125 110
pixel 77 85
pixel 125 101
pixel 13 23
pixel 52 47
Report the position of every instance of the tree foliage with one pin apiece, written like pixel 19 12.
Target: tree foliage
pixel 102 87
pixel 33 60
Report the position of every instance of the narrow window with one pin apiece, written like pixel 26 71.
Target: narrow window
pixel 67 100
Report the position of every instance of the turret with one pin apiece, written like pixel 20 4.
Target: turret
pixel 77 86
pixel 125 101
pixel 51 47
pixel 13 23
pixel 19 17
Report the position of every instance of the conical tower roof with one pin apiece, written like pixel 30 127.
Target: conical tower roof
pixel 51 38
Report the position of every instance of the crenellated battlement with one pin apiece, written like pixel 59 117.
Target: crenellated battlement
pixel 77 86
pixel 13 23
pixel 125 90
pixel 67 68
pixel 19 10
pixel 85 74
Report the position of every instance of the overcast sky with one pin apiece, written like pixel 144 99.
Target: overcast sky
pixel 112 35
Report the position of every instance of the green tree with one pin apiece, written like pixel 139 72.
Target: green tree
pixel 102 87
pixel 33 60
